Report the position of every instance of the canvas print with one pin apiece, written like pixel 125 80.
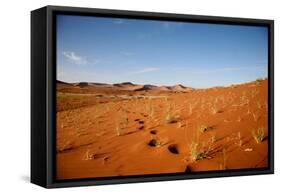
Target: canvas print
pixel 146 97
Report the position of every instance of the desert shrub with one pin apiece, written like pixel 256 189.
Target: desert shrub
pixel 155 142
pixel 180 124
pixel 202 128
pixel 196 152
pixel 170 118
pixel 259 134
pixel 216 110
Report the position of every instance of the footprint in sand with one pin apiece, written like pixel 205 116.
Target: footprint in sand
pixel 173 148
pixel 153 132
pixel 141 122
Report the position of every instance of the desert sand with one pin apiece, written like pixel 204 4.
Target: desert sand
pixel 124 129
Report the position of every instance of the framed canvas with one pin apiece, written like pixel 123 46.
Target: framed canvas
pixel 126 96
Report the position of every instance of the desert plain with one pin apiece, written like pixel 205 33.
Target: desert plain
pixel 106 130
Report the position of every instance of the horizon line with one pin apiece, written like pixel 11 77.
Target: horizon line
pixel 158 85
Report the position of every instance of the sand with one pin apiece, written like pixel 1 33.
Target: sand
pixel 105 130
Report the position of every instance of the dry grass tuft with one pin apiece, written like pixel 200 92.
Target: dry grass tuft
pixel 155 142
pixel 203 128
pixel 240 141
pixel 118 130
pixel 196 152
pixel 216 110
pixel 170 118
pixel 259 134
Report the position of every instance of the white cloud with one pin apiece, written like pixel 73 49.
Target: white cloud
pixel 74 58
pixel 146 70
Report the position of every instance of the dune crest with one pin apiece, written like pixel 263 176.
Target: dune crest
pixel 129 86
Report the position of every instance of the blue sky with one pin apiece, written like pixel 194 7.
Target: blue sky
pixel 112 50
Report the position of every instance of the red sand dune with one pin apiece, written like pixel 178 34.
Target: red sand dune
pixel 128 129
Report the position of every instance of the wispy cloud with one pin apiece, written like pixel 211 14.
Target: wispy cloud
pixel 74 58
pixel 146 70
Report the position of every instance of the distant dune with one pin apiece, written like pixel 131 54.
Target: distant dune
pixel 63 83
pixel 180 87
pixel 128 86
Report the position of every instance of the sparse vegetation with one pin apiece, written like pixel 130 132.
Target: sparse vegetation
pixel 202 128
pixel 170 118
pixel 190 108
pixel 88 156
pixel 259 105
pixel 240 142
pixel 216 110
pixel 176 126
pixel 255 116
pixel 155 142
pixel 213 138
pixel 118 130
pixel 180 124
pixel 259 134
pixel 197 152
pixel 248 111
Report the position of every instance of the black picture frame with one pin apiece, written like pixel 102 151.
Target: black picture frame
pixel 43 95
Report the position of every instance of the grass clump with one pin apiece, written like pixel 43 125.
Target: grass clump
pixel 203 128
pixel 216 110
pixel 155 142
pixel 213 138
pixel 196 152
pixel 240 141
pixel 180 125
pixel 259 134
pixel 255 116
pixel 170 118
pixel 118 130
